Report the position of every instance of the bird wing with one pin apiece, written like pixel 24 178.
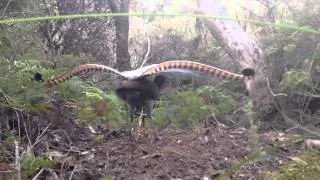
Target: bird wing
pixel 181 65
pixel 80 69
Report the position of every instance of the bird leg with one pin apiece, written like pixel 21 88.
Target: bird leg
pixel 142 118
pixel 155 136
pixel 131 116
pixel 149 108
pixel 141 122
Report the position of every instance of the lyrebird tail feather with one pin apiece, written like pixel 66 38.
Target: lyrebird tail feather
pixel 194 66
pixel 81 69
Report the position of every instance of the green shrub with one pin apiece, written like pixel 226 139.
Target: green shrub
pixel 22 92
pixel 19 90
pixel 220 102
pixel 8 139
pixel 161 115
pixel 294 79
pixel 184 109
pixel 189 108
pixel 95 105
pixel 72 89
pixel 31 164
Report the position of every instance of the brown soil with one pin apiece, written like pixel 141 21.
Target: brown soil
pixel 207 151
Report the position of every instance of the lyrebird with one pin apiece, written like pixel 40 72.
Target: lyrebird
pixel 136 89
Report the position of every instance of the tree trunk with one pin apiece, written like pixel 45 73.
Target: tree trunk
pixel 243 49
pixel 122 33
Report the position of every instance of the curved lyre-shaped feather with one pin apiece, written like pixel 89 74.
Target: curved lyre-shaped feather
pixel 194 66
pixel 80 69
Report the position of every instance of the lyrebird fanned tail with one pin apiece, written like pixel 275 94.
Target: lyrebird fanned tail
pixel 194 66
pixel 174 65
pixel 81 69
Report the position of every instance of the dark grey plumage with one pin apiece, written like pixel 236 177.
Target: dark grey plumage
pixel 140 95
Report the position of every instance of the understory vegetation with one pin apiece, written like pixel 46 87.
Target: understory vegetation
pixel 50 129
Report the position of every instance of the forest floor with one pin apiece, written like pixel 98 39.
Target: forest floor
pixel 206 152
